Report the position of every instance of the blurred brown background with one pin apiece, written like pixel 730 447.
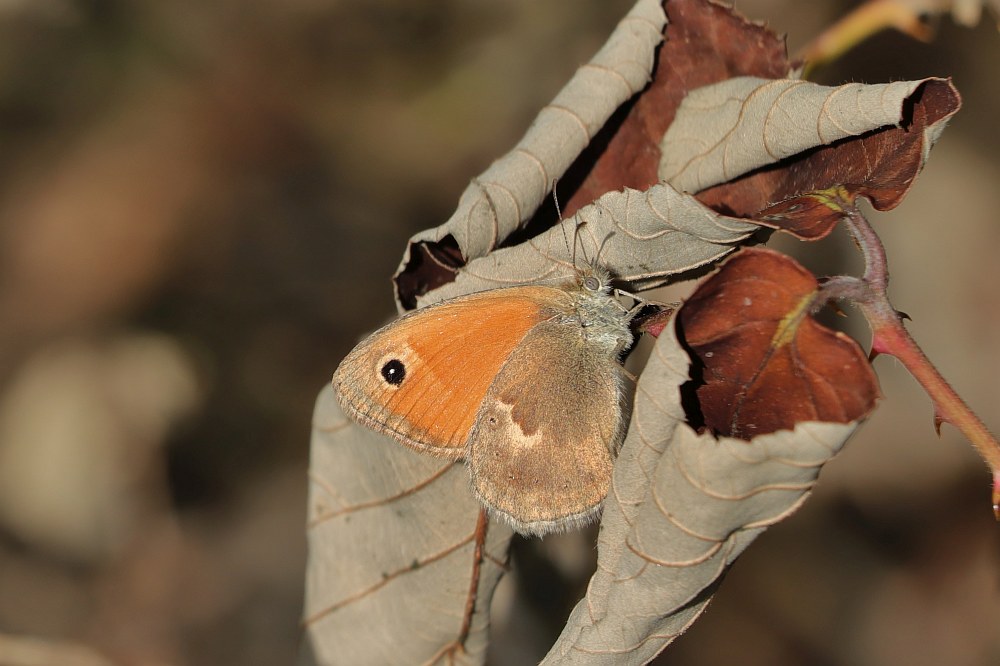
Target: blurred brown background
pixel 200 207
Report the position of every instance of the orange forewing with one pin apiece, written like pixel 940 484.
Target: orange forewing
pixel 451 353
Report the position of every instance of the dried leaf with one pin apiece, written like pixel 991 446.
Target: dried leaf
pixel 747 143
pixel 683 507
pixel 644 237
pixel 765 363
pixel 705 42
pixel 724 130
pixel 507 194
pixel 397 563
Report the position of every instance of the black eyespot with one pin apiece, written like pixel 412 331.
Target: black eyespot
pixel 394 372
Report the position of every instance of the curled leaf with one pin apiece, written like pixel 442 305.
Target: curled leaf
pixel 601 137
pixel 644 237
pixel 399 562
pixel 765 363
pixel 683 506
pixel 724 130
pixel 505 196
pixel 746 144
pixel 704 43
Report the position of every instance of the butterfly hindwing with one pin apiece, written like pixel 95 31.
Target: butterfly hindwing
pixel 543 445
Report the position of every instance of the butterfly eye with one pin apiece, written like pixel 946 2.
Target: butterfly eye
pixel 394 372
pixel 591 283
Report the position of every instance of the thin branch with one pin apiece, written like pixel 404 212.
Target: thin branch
pixel 889 336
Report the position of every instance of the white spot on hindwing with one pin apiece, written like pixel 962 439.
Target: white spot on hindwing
pixel 499 418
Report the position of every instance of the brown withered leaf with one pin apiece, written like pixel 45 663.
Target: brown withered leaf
pixel 765 363
pixel 704 42
pixel 880 165
pixel 809 216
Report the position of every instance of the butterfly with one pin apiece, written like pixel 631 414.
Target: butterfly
pixel 524 383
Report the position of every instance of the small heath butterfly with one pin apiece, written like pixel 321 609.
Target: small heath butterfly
pixel 524 383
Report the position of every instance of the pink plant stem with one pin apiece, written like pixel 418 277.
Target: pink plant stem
pixel 889 336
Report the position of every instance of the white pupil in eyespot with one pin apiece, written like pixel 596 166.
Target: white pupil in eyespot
pixel 393 372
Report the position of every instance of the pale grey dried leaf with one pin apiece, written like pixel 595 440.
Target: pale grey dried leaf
pixel 682 507
pixel 727 129
pixel 506 195
pixel 643 237
pixel 392 551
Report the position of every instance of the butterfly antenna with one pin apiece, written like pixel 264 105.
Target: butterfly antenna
pixel 578 242
pixel 600 249
pixel 555 199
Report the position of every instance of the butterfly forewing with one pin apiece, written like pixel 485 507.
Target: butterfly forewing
pixel 447 355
